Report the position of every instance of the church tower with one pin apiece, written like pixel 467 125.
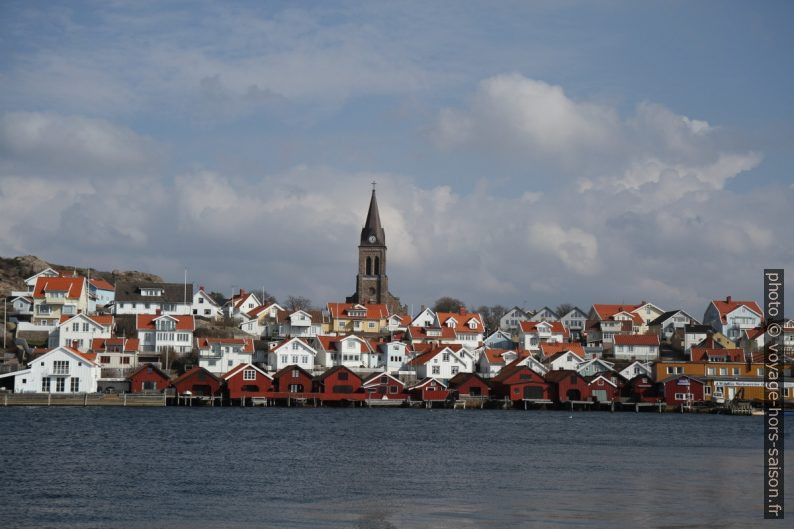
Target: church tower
pixel 372 283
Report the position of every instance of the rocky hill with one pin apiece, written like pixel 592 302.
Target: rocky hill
pixel 14 271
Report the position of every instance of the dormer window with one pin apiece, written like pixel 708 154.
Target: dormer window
pixel 151 292
pixel 472 324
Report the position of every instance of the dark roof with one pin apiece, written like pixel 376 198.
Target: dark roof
pixel 333 370
pixel 194 371
pixel 172 292
pixel 560 374
pixel 698 328
pixel 663 317
pixel 460 378
pixel 283 370
pixel 372 226
pixel 146 366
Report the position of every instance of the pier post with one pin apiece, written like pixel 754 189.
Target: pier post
pixel 85 400
pixel 125 399
pixel 49 399
pixel 612 407
pixel 636 407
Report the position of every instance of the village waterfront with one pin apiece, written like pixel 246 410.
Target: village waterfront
pixel 78 468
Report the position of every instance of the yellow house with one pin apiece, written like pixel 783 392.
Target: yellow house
pixel 356 318
pixel 725 380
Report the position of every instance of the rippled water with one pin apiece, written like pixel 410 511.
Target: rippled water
pixel 377 469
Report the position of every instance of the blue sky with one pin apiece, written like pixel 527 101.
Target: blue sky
pixel 526 152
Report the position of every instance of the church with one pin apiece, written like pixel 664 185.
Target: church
pixel 372 283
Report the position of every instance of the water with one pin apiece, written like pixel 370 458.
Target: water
pixel 377 469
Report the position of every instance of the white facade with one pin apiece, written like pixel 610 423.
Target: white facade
pixel 22 305
pixel 292 352
pixel 78 332
pixel 739 319
pixel 203 305
pixel 531 335
pixel 170 333
pixel 510 321
pixel 59 371
pixel 635 369
pixel 566 360
pixel 241 305
pixel 220 356
pixel 544 314
pixel 639 352
pixel 392 356
pixel 445 364
pixel 426 318
pixel 677 320
pixel 574 320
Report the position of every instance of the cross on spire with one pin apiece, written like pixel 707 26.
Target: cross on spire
pixel 373 185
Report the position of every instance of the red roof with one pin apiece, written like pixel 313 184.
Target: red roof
pixel 101 284
pixel 246 343
pixel 73 286
pixel 373 311
pixel 704 354
pixel 128 345
pixel 728 305
pixel 461 320
pixel 551 348
pixel 91 357
pixel 145 322
pixel 494 355
pixel 636 339
pixel 420 333
pixel 532 326
pixel 105 320
pixel 606 311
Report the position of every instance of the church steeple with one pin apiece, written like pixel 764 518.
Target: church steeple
pixel 372 233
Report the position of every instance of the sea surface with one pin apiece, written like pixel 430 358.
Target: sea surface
pixel 230 468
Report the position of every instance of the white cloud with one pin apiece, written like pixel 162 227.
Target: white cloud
pixel 75 143
pixel 575 248
pixel 511 110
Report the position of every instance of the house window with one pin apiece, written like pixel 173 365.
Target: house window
pixel 60 384
pixel 75 326
pixel 436 370
pixel 723 371
pixel 60 367
pixel 85 327
pixel 104 359
pixel 45 385
pixel 735 370
pixel 125 360
pixel 343 375
pixel 295 346
pixel 283 359
pixel 760 371
pixel 305 359
pixel 710 371
pixel 295 373
pixel 75 385
pixel 455 370
pixel 393 389
pixel 249 374
pixel 445 357
pixel 707 390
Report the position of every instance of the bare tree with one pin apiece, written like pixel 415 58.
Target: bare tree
pixel 297 303
pixel 563 309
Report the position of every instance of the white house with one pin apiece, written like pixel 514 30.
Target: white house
pixel 500 340
pixel 531 334
pixel 509 322
pixel 595 366
pixel 79 331
pixel 146 297
pixel 574 320
pixel 165 332
pixel 350 351
pixel 116 353
pixel 531 362
pixel 731 317
pixel 695 334
pixel 492 360
pixel 425 318
pixel 544 314
pixel 636 368
pixel 22 305
pixel 299 323
pixel 219 355
pixel 205 306
pixel 60 370
pixel 441 362
pixel 468 327
pixel 668 323
pixel 636 346
pixel 392 356
pixel 241 304
pixel 293 351
pixel 262 319
pixel 564 360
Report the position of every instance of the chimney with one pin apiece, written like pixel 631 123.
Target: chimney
pixel 728 299
pixel 462 310
pixel 201 288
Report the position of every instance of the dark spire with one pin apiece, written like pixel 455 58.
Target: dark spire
pixel 372 227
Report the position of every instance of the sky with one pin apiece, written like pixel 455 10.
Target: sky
pixel 525 153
